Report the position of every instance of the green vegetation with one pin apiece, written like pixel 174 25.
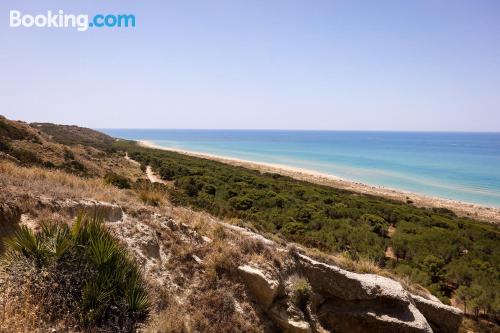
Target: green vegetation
pixel 434 247
pixel 117 180
pixel 78 274
pixel 74 135
pixel 301 292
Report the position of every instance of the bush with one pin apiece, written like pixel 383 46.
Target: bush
pixel 301 292
pixel 48 164
pixel 117 180
pixel 149 193
pixel 73 166
pixel 25 156
pixel 81 272
pixel 4 145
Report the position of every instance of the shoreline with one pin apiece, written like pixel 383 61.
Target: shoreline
pixel 465 209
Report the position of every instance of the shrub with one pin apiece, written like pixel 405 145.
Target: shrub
pixel 82 272
pixel 300 292
pixel 4 145
pixel 117 180
pixel 25 156
pixel 149 193
pixel 48 164
pixel 242 203
pixel 73 166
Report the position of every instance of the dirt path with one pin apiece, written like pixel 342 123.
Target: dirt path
pixel 131 160
pixel 153 178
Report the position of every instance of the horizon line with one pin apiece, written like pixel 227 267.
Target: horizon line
pixel 291 130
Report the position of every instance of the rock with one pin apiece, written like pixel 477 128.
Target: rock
pixel 169 223
pixel 361 302
pixel 150 247
pixel 372 316
pixel 443 318
pixel 287 323
pixel 329 280
pixel 263 288
pixel 248 234
pixel 109 212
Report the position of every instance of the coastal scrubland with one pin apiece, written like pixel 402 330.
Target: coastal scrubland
pixel 171 261
pixel 454 257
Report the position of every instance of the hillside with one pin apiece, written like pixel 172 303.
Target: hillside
pixel 74 135
pixel 215 248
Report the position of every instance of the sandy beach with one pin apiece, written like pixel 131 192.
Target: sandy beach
pixel 480 212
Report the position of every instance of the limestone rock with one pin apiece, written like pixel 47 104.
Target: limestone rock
pixel 109 212
pixel 286 322
pixel 443 318
pixel 372 316
pixel 262 287
pixel 329 280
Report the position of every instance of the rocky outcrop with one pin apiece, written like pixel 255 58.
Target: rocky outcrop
pixel 361 302
pixel 262 287
pixel 286 322
pixel 108 211
pixel 347 302
pixel 443 318
pixel 333 281
pixel 371 316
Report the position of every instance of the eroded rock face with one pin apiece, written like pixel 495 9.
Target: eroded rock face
pixel 109 212
pixel 264 288
pixel 372 316
pixel 443 318
pixel 361 302
pixel 333 281
pixel 287 323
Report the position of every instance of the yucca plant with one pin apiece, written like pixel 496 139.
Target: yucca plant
pixel 56 239
pixel 136 296
pixel 27 243
pixel 95 299
pixel 104 280
pixel 102 249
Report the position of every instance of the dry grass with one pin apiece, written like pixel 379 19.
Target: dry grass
pixel 343 260
pixel 21 310
pixel 58 184
pixel 212 308
pixel 151 196
pixel 222 258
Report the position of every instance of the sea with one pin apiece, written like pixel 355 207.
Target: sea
pixel 451 165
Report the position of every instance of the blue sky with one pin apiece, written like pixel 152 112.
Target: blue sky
pixel 349 65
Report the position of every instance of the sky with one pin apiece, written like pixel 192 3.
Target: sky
pixel 320 65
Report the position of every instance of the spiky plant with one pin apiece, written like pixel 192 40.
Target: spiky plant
pixel 27 243
pixel 56 239
pixel 137 298
pixel 89 266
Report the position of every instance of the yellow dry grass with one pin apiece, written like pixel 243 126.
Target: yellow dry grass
pixel 58 184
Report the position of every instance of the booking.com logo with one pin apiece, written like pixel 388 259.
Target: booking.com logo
pixel 81 22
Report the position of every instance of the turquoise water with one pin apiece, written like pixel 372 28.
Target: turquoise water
pixel 460 166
